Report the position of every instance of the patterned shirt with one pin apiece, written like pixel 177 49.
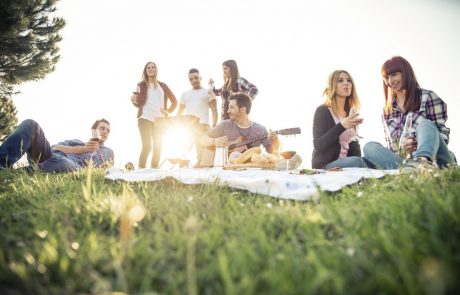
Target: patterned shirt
pixel 432 107
pixel 243 86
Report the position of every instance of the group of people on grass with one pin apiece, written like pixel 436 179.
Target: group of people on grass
pixel 335 124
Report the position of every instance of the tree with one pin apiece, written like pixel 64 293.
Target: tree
pixel 28 41
pixel 28 49
pixel 8 119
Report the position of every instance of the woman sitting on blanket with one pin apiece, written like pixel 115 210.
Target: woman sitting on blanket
pixel 404 99
pixel 335 142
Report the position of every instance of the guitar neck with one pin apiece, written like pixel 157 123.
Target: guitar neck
pixel 290 131
pixel 248 141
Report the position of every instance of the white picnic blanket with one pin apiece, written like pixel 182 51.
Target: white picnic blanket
pixel 279 184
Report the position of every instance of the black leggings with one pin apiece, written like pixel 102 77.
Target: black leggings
pixel 151 141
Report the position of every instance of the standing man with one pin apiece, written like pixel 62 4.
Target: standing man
pixel 66 156
pixel 197 102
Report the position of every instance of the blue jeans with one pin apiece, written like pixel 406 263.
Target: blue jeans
pixel 347 163
pixel 430 144
pixel 28 138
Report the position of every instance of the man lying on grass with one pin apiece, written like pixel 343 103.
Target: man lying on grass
pixel 66 156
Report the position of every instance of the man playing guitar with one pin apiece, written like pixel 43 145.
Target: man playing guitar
pixel 240 127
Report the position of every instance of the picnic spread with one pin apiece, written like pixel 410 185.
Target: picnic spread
pixel 288 184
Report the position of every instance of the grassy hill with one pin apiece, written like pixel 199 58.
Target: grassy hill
pixel 66 234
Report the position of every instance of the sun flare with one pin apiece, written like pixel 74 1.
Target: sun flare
pixel 177 143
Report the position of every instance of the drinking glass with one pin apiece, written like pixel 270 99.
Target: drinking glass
pixel 221 157
pixel 287 155
pixel 95 135
pixel 353 111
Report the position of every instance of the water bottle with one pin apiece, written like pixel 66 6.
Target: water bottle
pixel 406 133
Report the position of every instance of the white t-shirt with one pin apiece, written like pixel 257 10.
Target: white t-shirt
pixel 196 103
pixel 155 102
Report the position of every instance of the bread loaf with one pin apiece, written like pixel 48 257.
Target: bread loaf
pixel 259 159
pixel 246 156
pixel 271 158
pixel 233 156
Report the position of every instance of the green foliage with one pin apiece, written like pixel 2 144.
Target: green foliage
pixel 28 41
pixel 60 234
pixel 8 119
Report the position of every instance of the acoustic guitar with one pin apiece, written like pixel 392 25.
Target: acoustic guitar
pixel 240 145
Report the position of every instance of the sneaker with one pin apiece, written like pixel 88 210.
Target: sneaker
pixel 418 164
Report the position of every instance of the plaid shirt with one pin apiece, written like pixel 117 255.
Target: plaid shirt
pixel 244 86
pixel 432 107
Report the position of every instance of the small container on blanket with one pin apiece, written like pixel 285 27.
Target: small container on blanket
pixel 221 157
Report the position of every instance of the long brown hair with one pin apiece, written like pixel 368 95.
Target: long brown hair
pixel 330 93
pixel 409 84
pixel 145 77
pixel 230 83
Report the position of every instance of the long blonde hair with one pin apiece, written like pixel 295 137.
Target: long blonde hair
pixel 330 93
pixel 145 77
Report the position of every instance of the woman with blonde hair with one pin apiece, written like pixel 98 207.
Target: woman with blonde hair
pixel 151 98
pixel 233 83
pixel 334 125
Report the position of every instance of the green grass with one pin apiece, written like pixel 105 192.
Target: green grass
pixel 60 234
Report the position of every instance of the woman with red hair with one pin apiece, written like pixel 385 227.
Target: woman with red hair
pixel 427 112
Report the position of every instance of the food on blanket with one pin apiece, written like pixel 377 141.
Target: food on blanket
pixel 294 163
pixel 308 171
pixel 335 169
pixel 246 156
pixel 271 158
pixel 233 156
pixel 259 159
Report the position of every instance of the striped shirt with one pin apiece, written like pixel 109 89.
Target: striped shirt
pixel 432 107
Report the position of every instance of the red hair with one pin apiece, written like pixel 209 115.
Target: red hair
pixel 409 84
